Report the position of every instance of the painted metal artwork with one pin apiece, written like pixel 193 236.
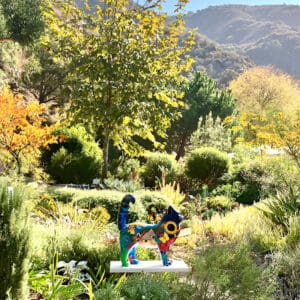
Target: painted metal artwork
pixel 164 233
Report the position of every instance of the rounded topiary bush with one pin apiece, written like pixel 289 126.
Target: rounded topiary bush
pixel 77 160
pixel 207 165
pixel 159 166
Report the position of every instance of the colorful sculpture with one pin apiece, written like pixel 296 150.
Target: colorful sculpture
pixel 164 233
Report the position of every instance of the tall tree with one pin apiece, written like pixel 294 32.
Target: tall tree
pixel 125 64
pixel 201 96
pixel 22 129
pixel 264 90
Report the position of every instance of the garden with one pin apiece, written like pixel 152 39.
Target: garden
pixel 242 238
pixel 96 106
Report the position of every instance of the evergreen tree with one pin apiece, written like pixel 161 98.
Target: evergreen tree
pixel 201 97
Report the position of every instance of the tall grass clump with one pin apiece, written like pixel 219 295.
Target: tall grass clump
pixel 14 242
pixel 245 225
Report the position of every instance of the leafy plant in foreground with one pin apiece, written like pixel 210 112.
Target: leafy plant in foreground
pixel 283 206
pixel 56 287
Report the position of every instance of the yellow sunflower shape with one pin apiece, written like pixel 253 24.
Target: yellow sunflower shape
pixel 171 227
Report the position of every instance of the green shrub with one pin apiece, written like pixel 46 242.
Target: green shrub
pixel 121 185
pixel 207 165
pixel 251 177
pixel 63 195
pixel 219 203
pixel 14 243
pixel 155 204
pixel 147 201
pixel 76 248
pixel 124 171
pixel 228 190
pixel 77 160
pixel 110 200
pixel 144 286
pixel 108 292
pixel 227 272
pixel 260 178
pixel 158 167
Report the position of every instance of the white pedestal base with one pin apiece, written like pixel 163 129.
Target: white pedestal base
pixel 150 266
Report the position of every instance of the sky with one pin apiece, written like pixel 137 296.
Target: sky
pixel 194 5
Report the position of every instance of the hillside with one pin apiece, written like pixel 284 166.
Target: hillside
pixel 219 63
pixel 268 35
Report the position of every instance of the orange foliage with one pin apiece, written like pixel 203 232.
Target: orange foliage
pixel 22 129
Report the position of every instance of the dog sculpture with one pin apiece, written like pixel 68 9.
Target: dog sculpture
pixel 164 233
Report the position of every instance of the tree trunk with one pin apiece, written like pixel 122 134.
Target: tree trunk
pixel 105 153
pixel 180 151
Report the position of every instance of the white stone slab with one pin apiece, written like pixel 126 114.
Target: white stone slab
pixel 150 266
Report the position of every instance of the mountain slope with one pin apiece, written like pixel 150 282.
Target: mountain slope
pixel 219 63
pixel 268 35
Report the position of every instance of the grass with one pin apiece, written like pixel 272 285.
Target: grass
pixel 244 224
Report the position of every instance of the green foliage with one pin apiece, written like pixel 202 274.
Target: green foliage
pixel 287 266
pixel 3 31
pixel 144 286
pixel 292 238
pixel 77 160
pixel 263 175
pixel 282 207
pixel 52 286
pixel 63 195
pixel 110 200
pixel 23 19
pixel 211 133
pixel 155 204
pixel 227 272
pixel 219 203
pixel 207 165
pixel 14 242
pixel 124 69
pixel 147 201
pixel 10 60
pixel 107 288
pixel 159 167
pixel 46 206
pixel 125 170
pixel 74 247
pixel 44 77
pixel 252 176
pixel 121 185
pixel 202 96
pixel 228 190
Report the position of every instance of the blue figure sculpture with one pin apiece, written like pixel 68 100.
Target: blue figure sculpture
pixel 165 233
